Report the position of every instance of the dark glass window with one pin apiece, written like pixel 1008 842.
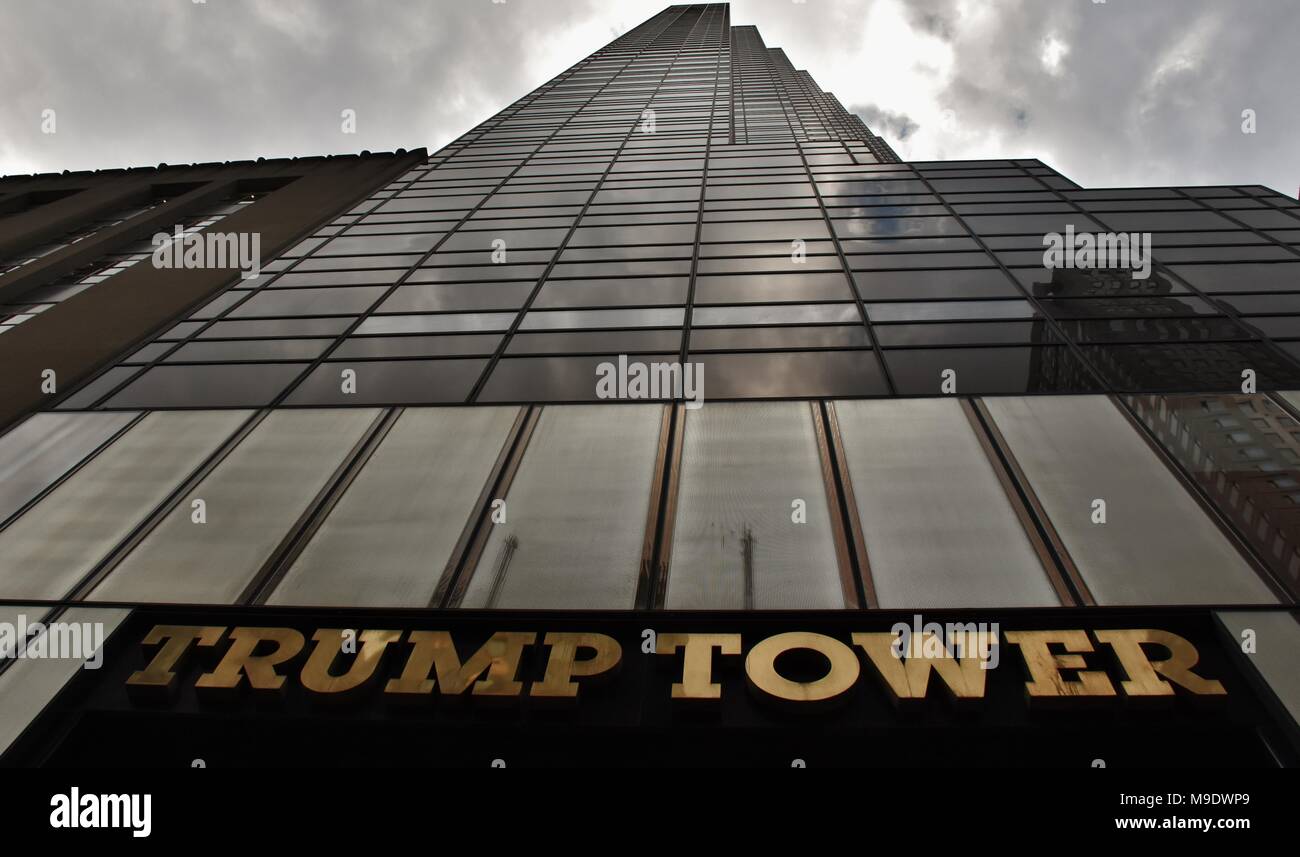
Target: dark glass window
pixel 283 302
pixel 390 382
pixel 782 374
pixel 212 385
pixel 993 370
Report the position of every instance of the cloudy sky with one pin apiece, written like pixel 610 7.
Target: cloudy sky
pixel 1119 92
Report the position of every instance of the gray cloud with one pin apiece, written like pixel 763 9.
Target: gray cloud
pixel 176 81
pixel 896 127
pixel 1147 92
pixel 1144 93
pixel 936 17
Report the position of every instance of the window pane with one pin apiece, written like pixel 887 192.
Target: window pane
pixel 561 319
pixel 45 447
pixel 1244 453
pixel 309 302
pixel 914 285
pixel 388 540
pixel 1157 546
pixel 743 288
pixel 31 683
pixel 389 382
pixel 440 297
pixel 1277 639
pixel 598 341
pixel 576 513
pixel 223 350
pixel 735 545
pixel 252 498
pixel 97 389
pixel 211 385
pixel 363 347
pixel 939 529
pixel 445 323
pixel 11 615
pixel 781 374
pixel 982 371
pixel 48 550
pixel 555 379
pixel 776 314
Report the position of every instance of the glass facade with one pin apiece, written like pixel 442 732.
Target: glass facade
pixel 950 542
pixel 898 406
pixel 570 529
pixel 1136 535
pixel 753 528
pixel 686 197
pixel 686 192
pixel 402 516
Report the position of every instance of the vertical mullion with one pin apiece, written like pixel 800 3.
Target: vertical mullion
pixel 281 559
pixel 1024 513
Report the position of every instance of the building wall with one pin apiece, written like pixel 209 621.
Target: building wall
pixel 901 408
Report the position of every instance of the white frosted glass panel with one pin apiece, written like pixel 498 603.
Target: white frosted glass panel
pixel 388 540
pixel 743 465
pixel 1292 398
pixel 939 529
pixel 1157 545
pixel 29 684
pixel 253 498
pixel 58 541
pixel 44 447
pixel 10 615
pixel 1277 645
pixel 576 513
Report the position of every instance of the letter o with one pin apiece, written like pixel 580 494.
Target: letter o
pixel 760 667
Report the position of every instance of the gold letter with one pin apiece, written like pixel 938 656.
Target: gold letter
pixel 760 667
pixel 910 679
pixel 564 664
pixel 329 642
pixel 697 662
pixel 499 657
pixel 1044 667
pixel 1141 670
pixel 159 672
pixel 240 661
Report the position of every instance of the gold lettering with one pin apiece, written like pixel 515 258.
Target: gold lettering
pixel 329 642
pixel 563 665
pixel 1045 668
pixel 910 678
pixel 760 667
pixel 1142 671
pixel 435 652
pixel 161 670
pixel 240 661
pixel 697 661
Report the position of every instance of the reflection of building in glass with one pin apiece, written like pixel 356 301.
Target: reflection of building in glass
pixel 399 422
pixel 1244 452
pixel 1096 308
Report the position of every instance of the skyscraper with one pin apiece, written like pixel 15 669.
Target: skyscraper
pixel 668 371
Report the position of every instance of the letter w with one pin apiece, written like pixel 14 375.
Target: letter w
pixel 910 678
